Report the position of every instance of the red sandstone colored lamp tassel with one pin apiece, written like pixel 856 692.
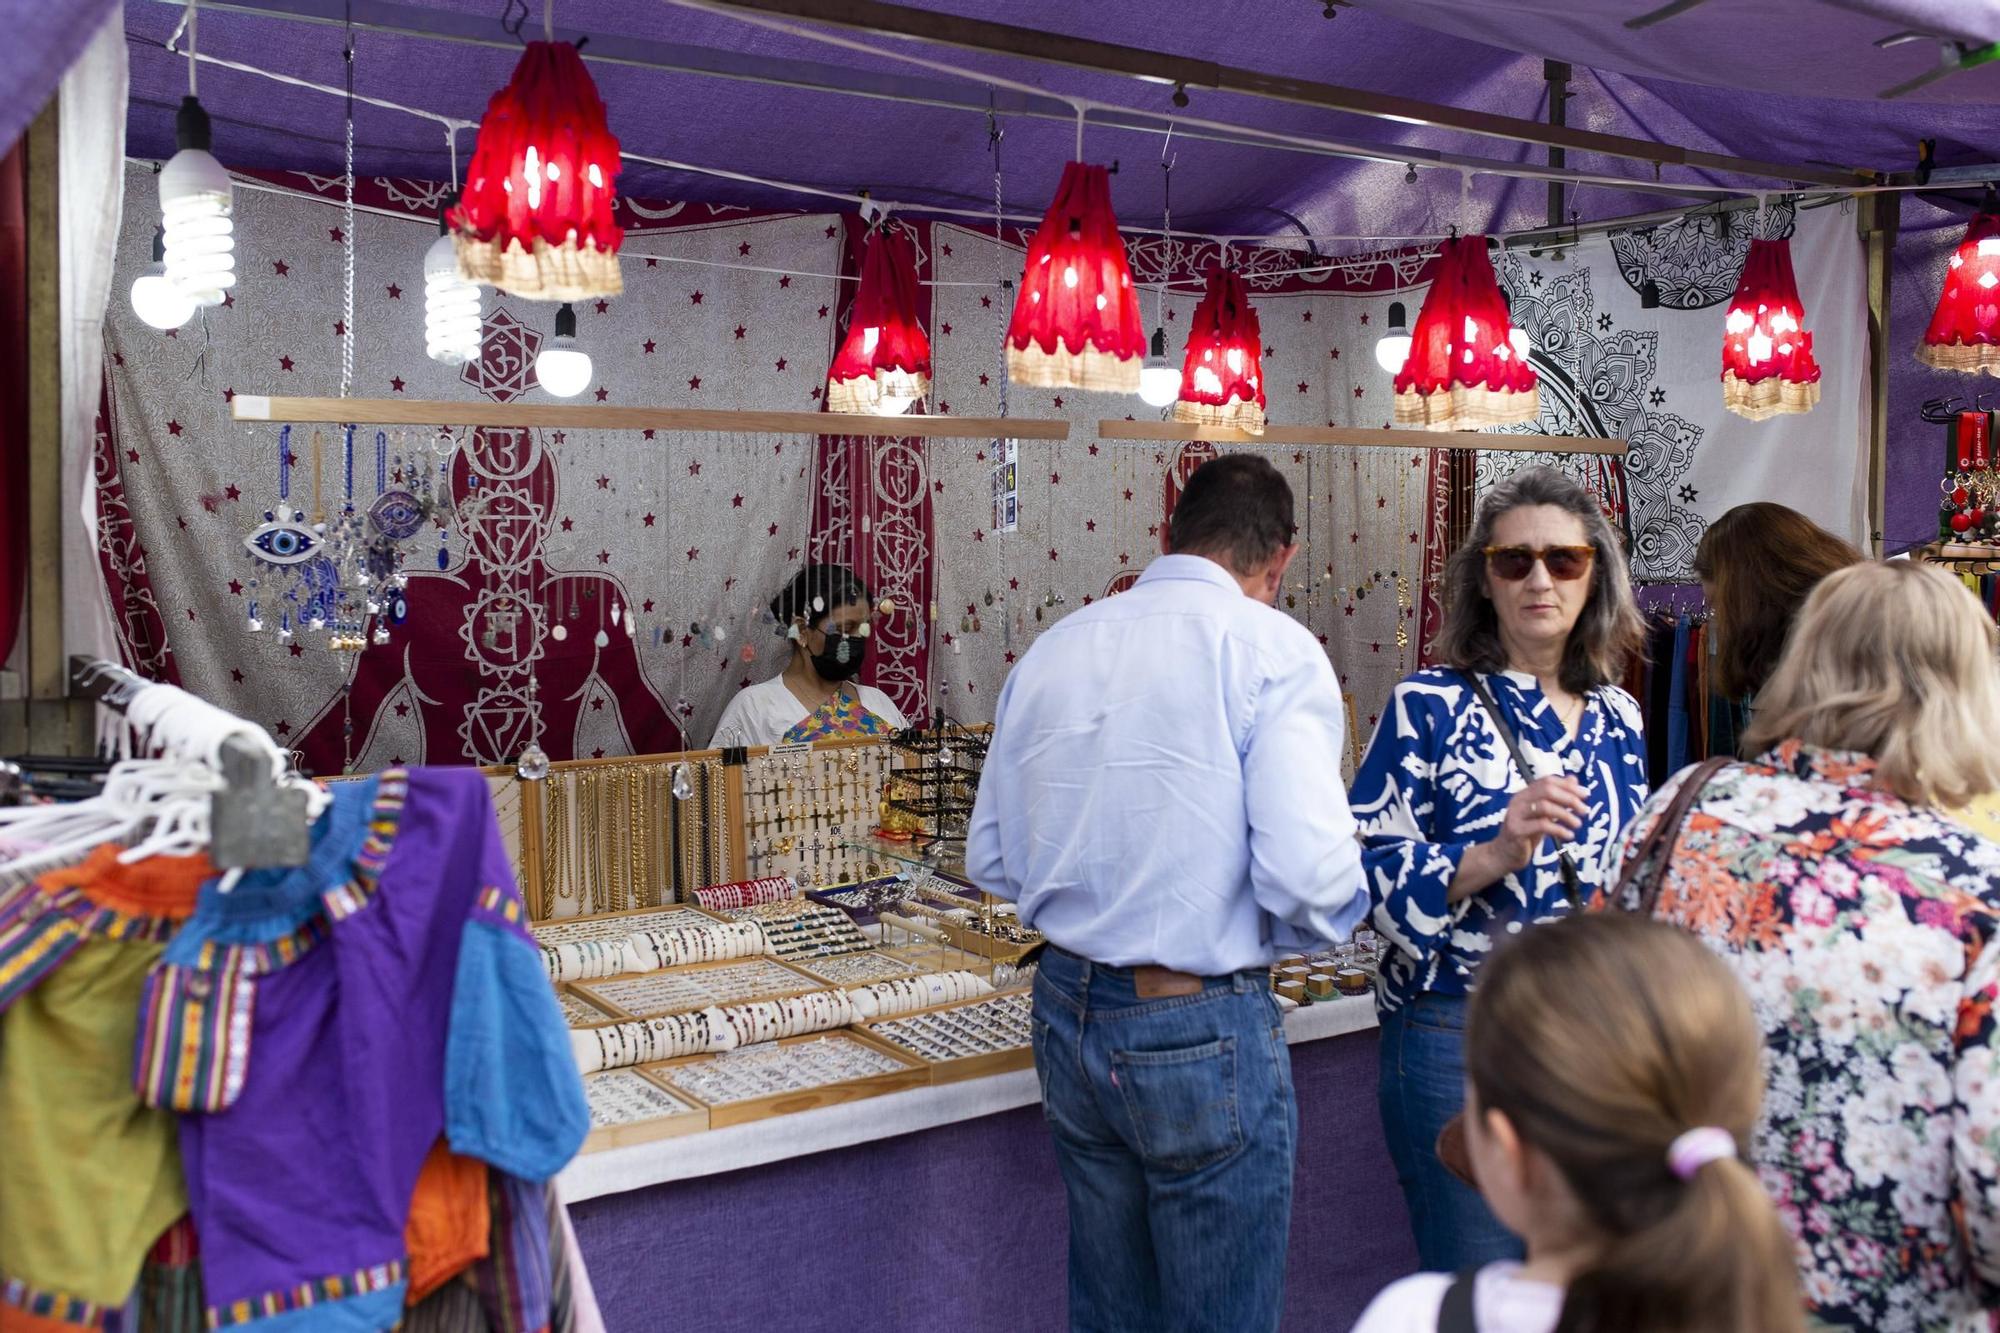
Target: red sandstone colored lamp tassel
pixel 1222 378
pixel 1767 358
pixel 1964 332
pixel 536 218
pixel 1076 317
pixel 884 365
pixel 1468 365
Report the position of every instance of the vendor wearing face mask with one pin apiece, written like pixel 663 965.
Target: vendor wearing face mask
pixel 825 610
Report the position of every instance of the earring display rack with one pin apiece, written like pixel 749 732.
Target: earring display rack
pixel 605 837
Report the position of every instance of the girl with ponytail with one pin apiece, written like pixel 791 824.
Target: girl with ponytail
pixel 1612 1083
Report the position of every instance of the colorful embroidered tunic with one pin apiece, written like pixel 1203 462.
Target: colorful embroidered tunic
pixel 1436 780
pixel 324 1025
pixel 89 1177
pixel 767 713
pixel 1867 932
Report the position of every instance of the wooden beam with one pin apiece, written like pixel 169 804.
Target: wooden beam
pixel 1354 437
pixel 974 34
pixel 1879 221
pixel 48 672
pixel 434 412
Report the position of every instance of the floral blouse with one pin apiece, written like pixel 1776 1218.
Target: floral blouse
pixel 1436 780
pixel 1865 932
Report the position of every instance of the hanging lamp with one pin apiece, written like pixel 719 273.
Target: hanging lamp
pixel 1767 362
pixel 1392 349
pixel 1076 317
pixel 536 219
pixel 1964 332
pixel 1467 365
pixel 155 298
pixel 561 366
pixel 453 330
pixel 884 365
pixel 1222 376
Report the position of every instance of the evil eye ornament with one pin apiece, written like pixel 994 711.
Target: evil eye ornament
pixel 397 515
pixel 282 542
pixel 399 608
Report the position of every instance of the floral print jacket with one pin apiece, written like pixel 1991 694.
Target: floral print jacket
pixel 1867 933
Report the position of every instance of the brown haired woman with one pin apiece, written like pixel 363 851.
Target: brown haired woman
pixel 1464 843
pixel 1609 1134
pixel 1757 564
pixel 1865 925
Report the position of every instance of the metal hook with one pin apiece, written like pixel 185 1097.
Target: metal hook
pixel 510 23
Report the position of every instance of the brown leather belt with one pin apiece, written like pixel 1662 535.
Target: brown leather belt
pixel 1156 983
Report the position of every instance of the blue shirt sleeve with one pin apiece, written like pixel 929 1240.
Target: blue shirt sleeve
pixel 1396 797
pixel 985 863
pixel 513 1096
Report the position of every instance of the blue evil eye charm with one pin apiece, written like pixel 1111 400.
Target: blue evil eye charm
pixel 282 543
pixel 397 515
pixel 399 609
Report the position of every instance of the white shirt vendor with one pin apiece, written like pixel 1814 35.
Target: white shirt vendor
pixel 825 613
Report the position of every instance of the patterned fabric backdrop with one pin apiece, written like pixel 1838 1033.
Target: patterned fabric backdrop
pixel 551 530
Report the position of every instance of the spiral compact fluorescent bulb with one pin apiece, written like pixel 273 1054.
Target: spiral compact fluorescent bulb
pixel 195 206
pixel 452 328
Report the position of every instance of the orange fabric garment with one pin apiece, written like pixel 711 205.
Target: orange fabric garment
pixel 159 886
pixel 448 1222
pixel 13 1319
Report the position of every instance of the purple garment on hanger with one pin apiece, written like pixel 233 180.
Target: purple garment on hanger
pixel 422 1010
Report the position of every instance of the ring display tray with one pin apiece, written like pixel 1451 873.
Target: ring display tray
pixel 969 1039
pixel 629 1106
pixel 795 1074
pixel 859 969
pixel 677 990
pixel 578 1010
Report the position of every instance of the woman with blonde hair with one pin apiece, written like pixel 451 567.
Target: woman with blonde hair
pixel 1865 925
pixel 1492 790
pixel 1612 1085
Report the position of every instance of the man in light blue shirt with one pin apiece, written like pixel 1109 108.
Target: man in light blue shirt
pixel 1163 800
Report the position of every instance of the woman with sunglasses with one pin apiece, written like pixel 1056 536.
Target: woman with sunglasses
pixel 1494 787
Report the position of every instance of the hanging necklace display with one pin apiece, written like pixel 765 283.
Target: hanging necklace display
pixel 1403 599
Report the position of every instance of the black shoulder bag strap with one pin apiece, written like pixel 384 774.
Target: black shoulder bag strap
pixel 1570 883
pixel 1456 1315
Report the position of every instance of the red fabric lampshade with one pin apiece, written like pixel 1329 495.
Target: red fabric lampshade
pixel 536 219
pixel 884 365
pixel 1468 365
pixel 1964 333
pixel 1767 361
pixel 1076 317
pixel 1222 378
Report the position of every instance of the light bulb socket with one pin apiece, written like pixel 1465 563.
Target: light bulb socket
pixel 1158 347
pixel 160 244
pixel 191 127
pixel 566 320
pixel 445 205
pixel 1649 295
pixel 1399 318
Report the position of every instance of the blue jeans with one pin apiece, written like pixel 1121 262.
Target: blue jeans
pixel 1175 1128
pixel 1422 1086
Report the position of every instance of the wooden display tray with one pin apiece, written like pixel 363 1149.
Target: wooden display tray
pixel 586 918
pixel 965 1067
pixel 619 1013
pixel 585 1000
pixel 692 1121
pixel 916 1074
pixel 965 941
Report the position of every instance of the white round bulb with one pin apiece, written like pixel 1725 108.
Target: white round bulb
pixel 561 368
pixel 1391 351
pixel 195 208
pixel 1159 382
pixel 452 328
pixel 159 302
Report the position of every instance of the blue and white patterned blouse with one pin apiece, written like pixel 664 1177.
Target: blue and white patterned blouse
pixel 1436 780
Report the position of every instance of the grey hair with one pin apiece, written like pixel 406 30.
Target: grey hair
pixel 1605 635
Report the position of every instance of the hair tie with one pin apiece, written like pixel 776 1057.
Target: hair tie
pixel 1697 1148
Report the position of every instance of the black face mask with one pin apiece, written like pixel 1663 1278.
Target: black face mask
pixel 842 657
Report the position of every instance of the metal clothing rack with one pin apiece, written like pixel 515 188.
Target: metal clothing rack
pixel 254 822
